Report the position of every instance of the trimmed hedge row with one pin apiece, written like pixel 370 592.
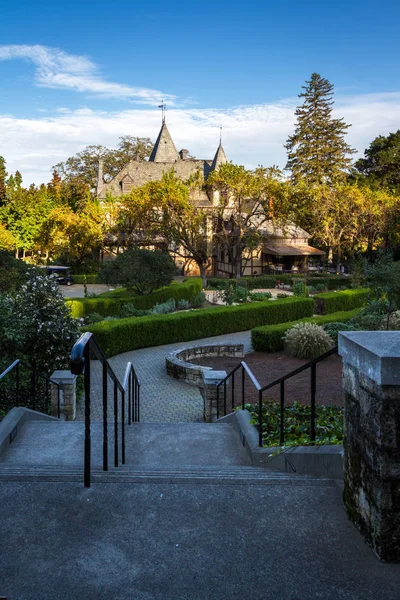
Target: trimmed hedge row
pixel 111 306
pixel 123 335
pixel 330 302
pixel 269 281
pixel 270 338
pixel 93 278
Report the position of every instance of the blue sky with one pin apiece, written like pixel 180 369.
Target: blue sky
pixel 82 73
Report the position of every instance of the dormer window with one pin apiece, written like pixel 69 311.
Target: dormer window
pixel 126 184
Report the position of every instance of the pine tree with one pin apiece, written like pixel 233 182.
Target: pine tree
pixel 317 151
pixel 3 177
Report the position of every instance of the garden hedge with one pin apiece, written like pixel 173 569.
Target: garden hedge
pixel 331 282
pixel 92 278
pixel 123 335
pixel 270 338
pixel 110 305
pixel 330 302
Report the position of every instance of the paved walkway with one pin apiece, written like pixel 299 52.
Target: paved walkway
pixel 163 399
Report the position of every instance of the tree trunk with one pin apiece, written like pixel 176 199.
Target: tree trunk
pixel 338 259
pixel 203 276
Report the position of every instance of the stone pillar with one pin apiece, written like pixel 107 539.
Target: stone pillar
pixel 209 393
pixel 371 383
pixel 67 383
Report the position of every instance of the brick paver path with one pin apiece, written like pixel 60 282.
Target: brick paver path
pixel 163 399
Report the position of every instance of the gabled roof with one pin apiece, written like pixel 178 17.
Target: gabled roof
pixel 164 149
pixel 219 158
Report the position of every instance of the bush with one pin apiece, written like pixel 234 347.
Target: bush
pixel 282 295
pixel 331 282
pixel 199 300
pixel 183 304
pixel 320 287
pixel 300 290
pixel 332 329
pixel 94 317
pixel 141 271
pixel 112 303
pixel 261 296
pixel 269 338
pixel 129 310
pixel 307 340
pixel 165 308
pixel 129 334
pixel 337 301
pixel 13 272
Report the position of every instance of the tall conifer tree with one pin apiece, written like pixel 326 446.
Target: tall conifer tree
pixel 317 151
pixel 3 177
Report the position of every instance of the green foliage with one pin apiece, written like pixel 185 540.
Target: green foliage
pixel 129 334
pixel 141 271
pixel 282 295
pixel 269 338
pixel 199 300
pixel 41 330
pixel 331 282
pixel 233 292
pixel 307 340
pixel 383 278
pixel 320 287
pixel 88 278
pixel 330 302
pixel 183 304
pixel 332 329
pixel 297 419
pixel 12 272
pixel 112 303
pixel 94 317
pixel 300 290
pixel 165 308
pixel 261 296
pixel 317 151
pixel 381 162
pixel 129 310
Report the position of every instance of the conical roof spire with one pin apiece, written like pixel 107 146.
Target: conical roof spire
pixel 164 149
pixel 219 158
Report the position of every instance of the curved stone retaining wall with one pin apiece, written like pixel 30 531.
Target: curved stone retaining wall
pixel 179 366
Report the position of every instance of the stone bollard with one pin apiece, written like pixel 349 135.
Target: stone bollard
pixel 67 383
pixel 371 383
pixel 209 393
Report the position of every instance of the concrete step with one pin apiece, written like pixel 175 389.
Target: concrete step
pixel 187 475
pixel 147 445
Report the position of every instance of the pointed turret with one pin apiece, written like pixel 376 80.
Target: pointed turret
pixel 219 158
pixel 164 149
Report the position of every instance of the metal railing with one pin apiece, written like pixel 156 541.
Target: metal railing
pixel 129 390
pixel 30 395
pixel 245 370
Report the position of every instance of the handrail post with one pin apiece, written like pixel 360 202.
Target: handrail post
pixel 87 458
pixel 260 421
pixel 243 392
pixel 313 392
pixel 130 398
pixel 138 403
pixel 58 401
pixel 105 418
pixel 123 426
pixel 115 424
pixel 233 391
pixel 217 401
pixel 224 397
pixel 17 382
pixel 282 417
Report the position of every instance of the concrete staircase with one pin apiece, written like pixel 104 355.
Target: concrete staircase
pixel 155 452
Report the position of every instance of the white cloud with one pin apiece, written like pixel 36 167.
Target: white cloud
pixel 251 135
pixel 57 69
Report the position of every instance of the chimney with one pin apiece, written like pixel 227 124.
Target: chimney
pixel 100 176
pixel 184 154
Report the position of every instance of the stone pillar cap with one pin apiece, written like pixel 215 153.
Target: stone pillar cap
pixel 63 376
pixel 374 353
pixel 214 376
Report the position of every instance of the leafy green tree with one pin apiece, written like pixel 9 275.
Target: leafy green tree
pixel 83 167
pixel 317 151
pixel 140 271
pixel 3 179
pixel 381 163
pixel 12 272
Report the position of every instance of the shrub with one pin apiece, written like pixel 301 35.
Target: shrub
pixel 13 272
pixel 330 282
pixel 269 338
pixel 300 290
pixel 129 334
pixel 111 303
pixel 198 301
pixel 282 295
pixel 338 301
pixel 165 308
pixel 261 296
pixel 332 329
pixel 320 287
pixel 141 271
pixel 183 304
pixel 129 310
pixel 93 317
pixel 307 340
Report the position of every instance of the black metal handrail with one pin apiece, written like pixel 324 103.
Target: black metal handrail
pixel 17 364
pixel 84 348
pixel 261 389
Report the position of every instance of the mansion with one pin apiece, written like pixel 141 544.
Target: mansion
pixel 283 249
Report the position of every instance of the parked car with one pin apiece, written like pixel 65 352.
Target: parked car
pixel 63 274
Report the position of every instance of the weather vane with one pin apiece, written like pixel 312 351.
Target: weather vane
pixel 163 107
